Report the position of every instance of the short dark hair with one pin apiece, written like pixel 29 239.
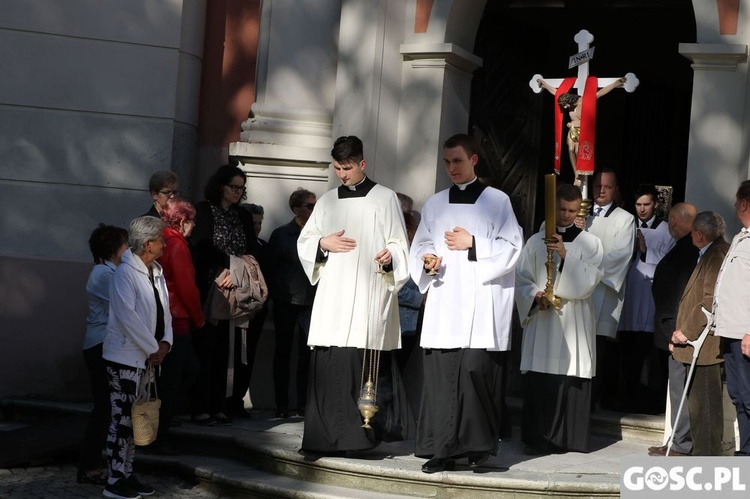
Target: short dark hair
pixel 410 221
pixel 105 240
pixel 297 198
pixel 461 139
pixel 647 190
pixel 254 209
pixel 160 180
pixel 568 192
pixel 743 192
pixel 218 180
pixel 348 148
pixel 606 170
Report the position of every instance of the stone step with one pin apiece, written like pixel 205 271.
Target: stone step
pixel 260 458
pixel 224 476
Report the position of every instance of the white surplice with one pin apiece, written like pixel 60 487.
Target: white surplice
pixel 343 301
pixel 469 303
pixel 617 235
pixel 559 341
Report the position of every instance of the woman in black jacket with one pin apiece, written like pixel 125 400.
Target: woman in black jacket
pixel 221 230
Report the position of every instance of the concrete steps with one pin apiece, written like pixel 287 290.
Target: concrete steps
pixel 260 458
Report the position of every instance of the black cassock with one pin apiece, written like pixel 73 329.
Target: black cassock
pixel 462 403
pixel 333 422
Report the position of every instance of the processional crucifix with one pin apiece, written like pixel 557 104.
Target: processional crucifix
pixel 580 138
pixel 581 108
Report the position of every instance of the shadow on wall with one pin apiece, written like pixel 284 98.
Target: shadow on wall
pixel 44 360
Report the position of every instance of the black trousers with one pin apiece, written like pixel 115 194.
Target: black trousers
pixel 178 371
pixel 243 372
pixel 211 344
pixel 95 435
pixel 289 319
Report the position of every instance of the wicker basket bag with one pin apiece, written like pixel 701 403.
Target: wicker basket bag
pixel 145 413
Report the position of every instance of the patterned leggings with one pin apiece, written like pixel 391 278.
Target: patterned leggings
pixel 123 386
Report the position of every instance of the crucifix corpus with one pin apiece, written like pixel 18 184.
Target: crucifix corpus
pixel 581 109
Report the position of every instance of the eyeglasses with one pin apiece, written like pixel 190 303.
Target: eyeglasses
pixel 170 193
pixel 309 206
pixel 237 188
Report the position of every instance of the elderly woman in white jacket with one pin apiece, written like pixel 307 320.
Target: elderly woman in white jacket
pixel 139 332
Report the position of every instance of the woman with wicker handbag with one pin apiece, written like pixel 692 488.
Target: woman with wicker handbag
pixel 139 334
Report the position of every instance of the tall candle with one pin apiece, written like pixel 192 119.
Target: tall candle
pixel 550 205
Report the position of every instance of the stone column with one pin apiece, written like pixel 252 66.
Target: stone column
pixel 286 142
pixel 437 86
pixel 717 159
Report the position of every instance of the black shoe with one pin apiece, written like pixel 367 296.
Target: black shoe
pixel 203 420
pixel 437 464
pixel 242 414
pixel 120 490
pixel 222 419
pixel 141 488
pixel 282 413
pixel 83 477
pixel 477 459
pixel 301 413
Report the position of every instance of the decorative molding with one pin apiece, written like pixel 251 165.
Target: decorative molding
pixel 448 52
pixel 298 172
pixel 714 56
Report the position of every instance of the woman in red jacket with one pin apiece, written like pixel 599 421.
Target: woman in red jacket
pixel 181 365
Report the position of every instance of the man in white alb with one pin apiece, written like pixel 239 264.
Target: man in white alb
pixel 463 256
pixel 352 231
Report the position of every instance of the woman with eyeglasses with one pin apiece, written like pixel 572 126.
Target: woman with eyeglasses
pixel 162 186
pixel 221 229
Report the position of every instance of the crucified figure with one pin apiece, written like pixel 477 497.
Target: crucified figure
pixel 571 103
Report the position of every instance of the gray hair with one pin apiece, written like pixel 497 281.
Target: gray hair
pixel 711 224
pixel 142 230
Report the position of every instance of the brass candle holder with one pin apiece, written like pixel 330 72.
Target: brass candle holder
pixel 550 222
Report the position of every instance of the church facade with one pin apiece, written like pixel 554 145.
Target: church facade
pixel 104 93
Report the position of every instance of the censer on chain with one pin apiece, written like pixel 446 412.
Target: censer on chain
pixel 368 391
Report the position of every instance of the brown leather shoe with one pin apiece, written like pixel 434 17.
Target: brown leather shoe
pixel 662 451
pixel 674 453
pixel 657 450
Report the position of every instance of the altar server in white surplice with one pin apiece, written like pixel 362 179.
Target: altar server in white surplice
pixel 470 237
pixel 352 230
pixel 558 353
pixel 615 228
pixel 636 329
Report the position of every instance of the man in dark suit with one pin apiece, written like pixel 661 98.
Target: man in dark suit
pixel 705 393
pixel 670 278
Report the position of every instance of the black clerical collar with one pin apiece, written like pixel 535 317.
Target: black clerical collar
pixel 568 233
pixel 356 191
pixel 468 195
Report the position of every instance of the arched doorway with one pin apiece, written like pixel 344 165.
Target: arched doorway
pixel 643 135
